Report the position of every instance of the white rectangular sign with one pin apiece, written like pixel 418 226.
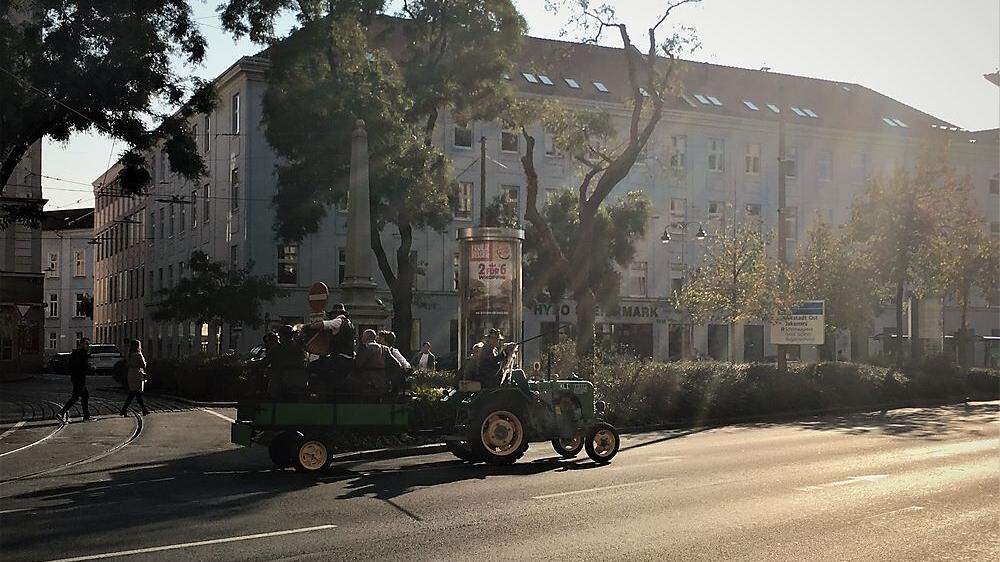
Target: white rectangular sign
pixel 803 325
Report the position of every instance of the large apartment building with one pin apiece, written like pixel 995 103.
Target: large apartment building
pixel 21 308
pixel 69 277
pixel 712 160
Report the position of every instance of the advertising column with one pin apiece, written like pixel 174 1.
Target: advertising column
pixel 489 285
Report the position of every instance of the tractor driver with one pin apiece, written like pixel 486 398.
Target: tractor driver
pixel 492 357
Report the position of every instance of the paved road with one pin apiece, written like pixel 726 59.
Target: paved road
pixel 914 484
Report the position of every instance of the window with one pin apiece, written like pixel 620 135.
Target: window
pixel 454 271
pixel 702 99
pixel 791 162
pixel 678 208
pixel 717 213
pixel 79 263
pixel 601 87
pixel 637 279
pixel 78 340
pixel 206 130
pixel 791 218
pixel 52 270
pixel 234 117
pixel 773 108
pixel 180 270
pixel 6 348
pixel 162 230
pixel 462 137
pixel 859 167
pixel 511 199
pixel 545 80
pixel 889 122
pixel 288 264
pixel 899 123
pixel 995 227
pixel 80 305
pixel 823 165
pixel 142 279
pixel 194 209
pixel 716 155
pixel 234 188
pixel 508 139
pixel 715 101
pixel 182 218
pixel 161 286
pixel 170 276
pixel 530 77
pixel 643 92
pixel 206 204
pixel 750 105
pixel 341 264
pixel 798 111
pixel 752 164
pixel 53 340
pixel 171 223
pixel 151 283
pixel 810 113
pixel 463 209
pixel 753 212
pixel 152 225
pixel 676 285
pixel 678 152
pixel 163 166
pixel 995 184
pixel 572 83
pixel 53 305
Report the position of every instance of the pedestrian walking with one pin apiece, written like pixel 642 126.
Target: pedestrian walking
pixel 136 365
pixel 78 367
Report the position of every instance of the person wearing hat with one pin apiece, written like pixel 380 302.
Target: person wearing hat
pixel 491 358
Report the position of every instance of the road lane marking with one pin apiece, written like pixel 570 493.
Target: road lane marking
pixel 218 415
pixel 588 490
pixel 12 430
pixel 196 543
pixel 847 482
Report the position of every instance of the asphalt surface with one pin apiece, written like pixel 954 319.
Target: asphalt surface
pixel 911 484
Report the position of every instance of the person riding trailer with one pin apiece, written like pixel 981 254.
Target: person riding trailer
pixel 492 357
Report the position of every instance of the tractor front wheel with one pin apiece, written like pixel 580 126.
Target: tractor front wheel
pixel 602 443
pixel 498 436
pixel 569 448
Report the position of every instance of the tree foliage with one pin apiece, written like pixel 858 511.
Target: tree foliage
pixel 396 74
pixel 216 292
pixel 604 157
pixel 106 65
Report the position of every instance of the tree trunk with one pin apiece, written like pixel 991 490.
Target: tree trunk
pixel 585 303
pixel 897 345
pixel 402 316
pixel 915 348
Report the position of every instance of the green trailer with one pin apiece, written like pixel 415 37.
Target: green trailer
pixel 301 434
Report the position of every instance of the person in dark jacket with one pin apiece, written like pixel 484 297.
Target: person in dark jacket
pixel 136 363
pixel 424 359
pixel 78 367
pixel 492 357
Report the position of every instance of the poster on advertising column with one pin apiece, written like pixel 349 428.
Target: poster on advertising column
pixel 491 273
pixel 804 324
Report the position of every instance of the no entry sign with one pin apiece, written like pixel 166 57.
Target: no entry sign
pixel 318 295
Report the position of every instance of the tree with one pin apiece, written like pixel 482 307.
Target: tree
pixel 104 65
pixel 736 281
pixel 827 268
pixel 398 75
pixel 590 138
pixel 964 258
pixel 893 224
pixel 216 292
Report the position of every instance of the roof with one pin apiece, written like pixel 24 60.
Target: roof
pixel 68 219
pixel 993 77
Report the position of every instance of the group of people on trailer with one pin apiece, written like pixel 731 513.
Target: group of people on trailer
pixel 369 365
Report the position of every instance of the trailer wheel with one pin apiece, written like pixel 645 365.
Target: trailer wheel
pixel 602 443
pixel 462 450
pixel 280 449
pixel 569 448
pixel 498 436
pixel 310 455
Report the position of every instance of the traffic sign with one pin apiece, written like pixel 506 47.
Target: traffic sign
pixel 318 295
pixel 803 325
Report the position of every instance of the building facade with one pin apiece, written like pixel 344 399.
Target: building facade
pixel 711 161
pixel 68 267
pixel 21 308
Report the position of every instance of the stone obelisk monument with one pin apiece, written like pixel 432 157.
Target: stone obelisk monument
pixel 358 288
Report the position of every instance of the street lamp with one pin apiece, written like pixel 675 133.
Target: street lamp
pixel 666 237
pixel 700 235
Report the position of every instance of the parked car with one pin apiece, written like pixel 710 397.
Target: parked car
pixel 106 359
pixel 57 363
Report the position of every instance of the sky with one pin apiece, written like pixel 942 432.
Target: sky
pixel 929 54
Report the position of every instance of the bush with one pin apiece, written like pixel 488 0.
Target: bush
pixel 200 377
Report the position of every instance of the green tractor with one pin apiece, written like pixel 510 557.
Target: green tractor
pixel 495 425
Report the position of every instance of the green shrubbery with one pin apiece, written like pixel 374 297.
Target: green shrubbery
pixel 200 377
pixel 642 392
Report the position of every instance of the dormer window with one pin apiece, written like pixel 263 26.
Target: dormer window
pixel 810 113
pixel 530 77
pixel 715 101
pixel 572 83
pixel 750 105
pixel 545 80
pixel 702 99
pixel 798 112
pixel 601 87
pixel 773 108
pixel 643 92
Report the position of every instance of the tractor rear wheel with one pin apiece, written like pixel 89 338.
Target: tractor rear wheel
pixel 280 449
pixel 462 450
pixel 497 436
pixel 602 443
pixel 569 448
